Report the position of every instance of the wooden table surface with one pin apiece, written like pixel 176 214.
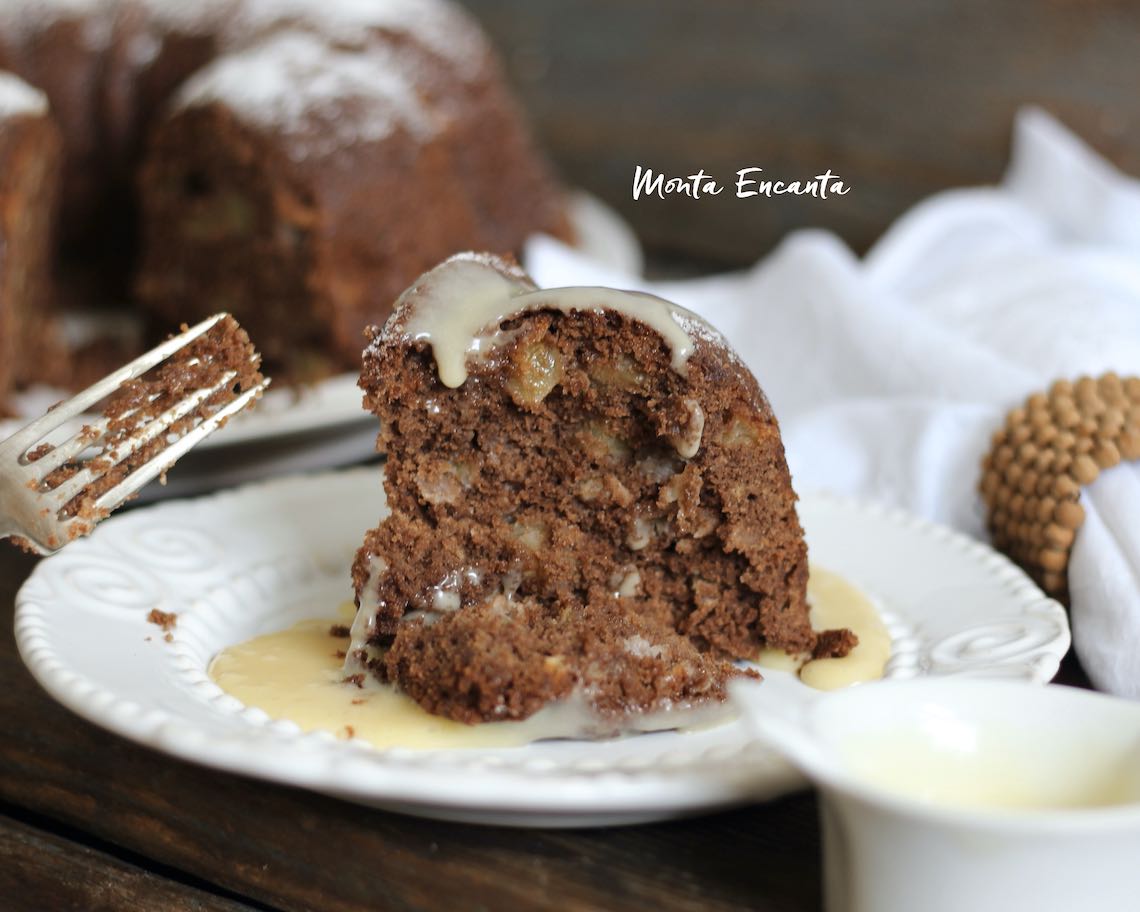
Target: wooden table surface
pixel 93 822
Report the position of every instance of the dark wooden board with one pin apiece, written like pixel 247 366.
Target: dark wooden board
pixel 42 872
pixel 291 849
pixel 900 98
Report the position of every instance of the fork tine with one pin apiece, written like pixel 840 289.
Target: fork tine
pixel 25 438
pixel 157 425
pixel 149 470
pixel 89 436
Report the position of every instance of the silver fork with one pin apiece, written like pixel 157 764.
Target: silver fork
pixel 33 511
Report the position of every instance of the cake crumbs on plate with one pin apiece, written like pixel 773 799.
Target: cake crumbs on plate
pixel 167 620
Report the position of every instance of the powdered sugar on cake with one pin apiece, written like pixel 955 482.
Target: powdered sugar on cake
pixel 167 18
pixel 36 15
pixel 187 18
pixel 32 17
pixel 17 97
pixel 296 83
pixel 437 27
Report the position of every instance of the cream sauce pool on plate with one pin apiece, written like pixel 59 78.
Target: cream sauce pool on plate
pixel 837 603
pixel 297 674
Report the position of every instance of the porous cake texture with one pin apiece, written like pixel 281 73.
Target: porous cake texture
pixel 589 503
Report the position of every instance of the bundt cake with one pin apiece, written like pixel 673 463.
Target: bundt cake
pixel 296 162
pixel 589 504
pixel 29 174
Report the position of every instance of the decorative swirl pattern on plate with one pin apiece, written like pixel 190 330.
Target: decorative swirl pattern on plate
pixel 175 548
pixel 107 585
pixel 1004 646
pixel 185 553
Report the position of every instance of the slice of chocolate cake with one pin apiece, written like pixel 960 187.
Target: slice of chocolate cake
pixel 590 505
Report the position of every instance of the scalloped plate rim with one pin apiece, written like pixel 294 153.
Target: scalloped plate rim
pixel 526 788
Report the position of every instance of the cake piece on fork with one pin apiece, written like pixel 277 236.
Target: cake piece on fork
pixel 154 409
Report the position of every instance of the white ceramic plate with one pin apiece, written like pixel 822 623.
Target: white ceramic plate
pixel 245 562
pixel 334 404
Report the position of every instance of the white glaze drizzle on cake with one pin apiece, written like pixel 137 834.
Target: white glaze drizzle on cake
pixel 441 599
pixel 364 622
pixel 457 309
pixel 17 97
pixel 688 442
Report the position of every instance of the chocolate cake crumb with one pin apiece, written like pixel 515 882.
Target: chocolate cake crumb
pixel 26 546
pixel 833 644
pixel 599 511
pixel 339 630
pixel 167 620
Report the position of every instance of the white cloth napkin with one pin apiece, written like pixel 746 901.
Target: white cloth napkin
pixel 890 373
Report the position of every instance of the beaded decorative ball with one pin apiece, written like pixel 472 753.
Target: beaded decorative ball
pixel 1051 447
